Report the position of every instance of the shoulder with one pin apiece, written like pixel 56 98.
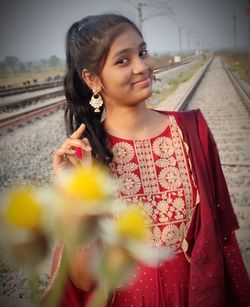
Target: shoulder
pixel 187 113
pixel 187 118
pixel 190 117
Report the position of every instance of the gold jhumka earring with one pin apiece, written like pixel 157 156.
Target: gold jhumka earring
pixel 96 101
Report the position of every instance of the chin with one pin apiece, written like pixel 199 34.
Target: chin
pixel 141 96
pixel 147 94
pixel 142 99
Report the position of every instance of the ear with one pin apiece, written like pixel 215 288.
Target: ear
pixel 92 80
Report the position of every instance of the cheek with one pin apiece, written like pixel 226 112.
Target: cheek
pixel 122 76
pixel 126 78
pixel 117 79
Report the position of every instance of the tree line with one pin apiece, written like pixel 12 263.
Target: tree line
pixel 11 65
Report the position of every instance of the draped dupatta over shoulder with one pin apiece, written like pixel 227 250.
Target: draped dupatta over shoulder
pixel 217 273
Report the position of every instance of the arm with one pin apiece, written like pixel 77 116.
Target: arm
pixel 78 284
pixel 72 152
pixel 68 154
pixel 79 268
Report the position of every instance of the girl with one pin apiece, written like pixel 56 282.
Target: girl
pixel 166 160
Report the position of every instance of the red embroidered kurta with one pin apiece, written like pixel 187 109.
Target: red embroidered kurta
pixel 156 173
pixel 165 174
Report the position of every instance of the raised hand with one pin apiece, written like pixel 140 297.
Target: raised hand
pixel 65 156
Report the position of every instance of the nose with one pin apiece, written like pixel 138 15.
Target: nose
pixel 140 66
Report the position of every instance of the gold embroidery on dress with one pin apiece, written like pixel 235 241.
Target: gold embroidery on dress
pixel 123 152
pixel 129 183
pixel 143 150
pixel 158 180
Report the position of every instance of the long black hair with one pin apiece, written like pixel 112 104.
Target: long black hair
pixel 88 42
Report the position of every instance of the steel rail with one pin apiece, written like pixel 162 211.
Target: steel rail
pixel 20 103
pixel 4 92
pixel 24 117
pixel 236 84
pixel 181 105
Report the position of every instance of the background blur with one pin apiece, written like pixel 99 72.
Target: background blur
pixel 32 30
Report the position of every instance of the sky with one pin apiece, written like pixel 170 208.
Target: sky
pixel 36 29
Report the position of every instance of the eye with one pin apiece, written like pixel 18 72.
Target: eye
pixel 122 61
pixel 143 53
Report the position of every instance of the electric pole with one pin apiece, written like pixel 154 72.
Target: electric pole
pixel 234 32
pixel 139 10
pixel 180 40
pixel 155 8
pixel 249 35
pixel 188 40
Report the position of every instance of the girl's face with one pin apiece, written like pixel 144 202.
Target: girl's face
pixel 126 78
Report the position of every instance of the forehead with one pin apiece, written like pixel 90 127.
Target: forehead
pixel 129 38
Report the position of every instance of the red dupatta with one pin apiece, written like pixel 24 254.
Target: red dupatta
pixel 213 281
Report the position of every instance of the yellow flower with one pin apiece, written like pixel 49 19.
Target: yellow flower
pixel 133 223
pixel 22 209
pixel 87 184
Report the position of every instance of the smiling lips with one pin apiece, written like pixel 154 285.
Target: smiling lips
pixel 143 82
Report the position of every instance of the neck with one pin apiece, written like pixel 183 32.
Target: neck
pixel 127 121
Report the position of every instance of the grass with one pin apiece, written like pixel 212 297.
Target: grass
pixel 239 63
pixel 174 83
pixel 40 76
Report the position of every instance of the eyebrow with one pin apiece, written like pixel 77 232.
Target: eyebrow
pixel 120 52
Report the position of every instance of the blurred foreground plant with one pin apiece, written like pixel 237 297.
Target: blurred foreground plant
pixel 24 237
pixel 78 210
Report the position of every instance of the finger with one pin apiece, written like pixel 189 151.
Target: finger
pixel 73 160
pixel 86 141
pixel 77 143
pixel 59 153
pixel 63 156
pixel 78 133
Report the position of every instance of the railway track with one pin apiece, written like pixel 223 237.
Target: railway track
pixel 28 88
pixel 10 91
pixel 19 103
pixel 27 116
pixel 173 65
pixel 16 102
pixel 236 84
